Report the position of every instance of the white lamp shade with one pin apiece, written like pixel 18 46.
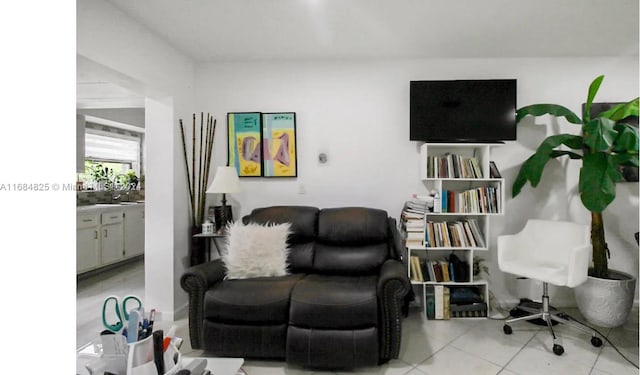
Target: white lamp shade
pixel 225 181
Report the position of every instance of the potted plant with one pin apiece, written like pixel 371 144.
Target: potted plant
pixel 100 175
pixel 604 144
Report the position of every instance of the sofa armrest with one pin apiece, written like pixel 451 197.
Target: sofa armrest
pixel 196 281
pixel 393 286
pixel 397 248
pixel 394 270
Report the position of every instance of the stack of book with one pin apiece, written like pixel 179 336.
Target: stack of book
pixel 452 166
pixel 412 221
pixel 462 233
pixel 467 302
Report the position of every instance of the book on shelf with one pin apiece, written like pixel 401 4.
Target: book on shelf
pixel 465 295
pixel 441 298
pixel 493 170
pixel 437 271
pixel 458 269
pixel 427 264
pixel 486 199
pixel 430 302
pixel 415 267
pixel 458 233
pixel 469 234
pixel 451 201
pixel 477 172
pixel 424 267
pixel 477 233
pixel 444 266
pixel 452 273
pixel 444 201
pixel 438 291
pixel 472 310
pixel 452 165
pixel 446 308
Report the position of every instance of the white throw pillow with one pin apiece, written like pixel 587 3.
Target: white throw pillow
pixel 255 250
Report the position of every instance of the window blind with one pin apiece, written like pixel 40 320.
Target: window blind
pixel 110 148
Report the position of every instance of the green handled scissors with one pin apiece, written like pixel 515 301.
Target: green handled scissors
pixel 121 312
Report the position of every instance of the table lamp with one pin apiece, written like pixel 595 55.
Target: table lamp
pixel 225 182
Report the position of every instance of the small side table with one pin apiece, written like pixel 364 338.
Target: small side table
pixel 211 237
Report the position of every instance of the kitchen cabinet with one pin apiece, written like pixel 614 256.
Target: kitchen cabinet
pixel 134 230
pixel 108 234
pixel 88 243
pixel 112 234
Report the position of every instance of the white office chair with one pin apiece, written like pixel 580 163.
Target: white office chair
pixel 553 252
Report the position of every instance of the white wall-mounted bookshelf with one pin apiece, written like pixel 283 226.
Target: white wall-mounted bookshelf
pixel 460 175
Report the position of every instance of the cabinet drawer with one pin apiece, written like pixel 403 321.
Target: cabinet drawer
pixel 87 221
pixel 111 217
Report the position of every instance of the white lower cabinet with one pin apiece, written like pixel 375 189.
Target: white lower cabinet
pixel 112 249
pixel 112 235
pixel 107 236
pixel 88 243
pixel 134 231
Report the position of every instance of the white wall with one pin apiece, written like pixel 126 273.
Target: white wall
pixel 140 61
pixel 358 112
pixel 129 116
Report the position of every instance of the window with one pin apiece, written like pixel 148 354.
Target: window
pixel 119 153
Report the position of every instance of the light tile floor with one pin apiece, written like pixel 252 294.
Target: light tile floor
pixel 456 346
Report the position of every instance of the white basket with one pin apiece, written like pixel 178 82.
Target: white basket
pixel 140 359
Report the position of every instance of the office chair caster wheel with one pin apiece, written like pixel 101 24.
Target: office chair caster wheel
pixel 595 341
pixel 507 329
pixel 558 349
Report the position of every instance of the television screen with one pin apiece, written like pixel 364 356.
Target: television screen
pixel 463 110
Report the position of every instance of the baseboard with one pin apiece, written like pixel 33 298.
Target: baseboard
pixel 109 267
pixel 182 312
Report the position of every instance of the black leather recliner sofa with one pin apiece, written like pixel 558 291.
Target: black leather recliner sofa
pixel 340 307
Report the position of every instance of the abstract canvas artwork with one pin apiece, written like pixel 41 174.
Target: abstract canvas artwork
pixel 279 145
pixel 245 143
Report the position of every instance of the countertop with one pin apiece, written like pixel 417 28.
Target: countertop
pixel 108 206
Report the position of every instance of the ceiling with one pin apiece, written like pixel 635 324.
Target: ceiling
pixel 241 30
pixel 273 30
pixel 100 88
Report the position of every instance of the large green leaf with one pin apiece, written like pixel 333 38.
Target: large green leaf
pixel 627 139
pixel 621 111
pixel 531 169
pixel 599 134
pixel 523 176
pixel 547 109
pixel 598 177
pixel 593 90
pixel 627 160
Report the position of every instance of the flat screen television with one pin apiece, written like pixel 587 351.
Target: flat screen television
pixel 463 111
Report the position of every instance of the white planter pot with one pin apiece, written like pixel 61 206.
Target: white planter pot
pixel 606 302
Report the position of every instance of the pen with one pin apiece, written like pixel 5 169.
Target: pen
pixel 158 357
pixel 152 316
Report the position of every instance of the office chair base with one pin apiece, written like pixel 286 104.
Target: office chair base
pixel 527 307
pixel 550 317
